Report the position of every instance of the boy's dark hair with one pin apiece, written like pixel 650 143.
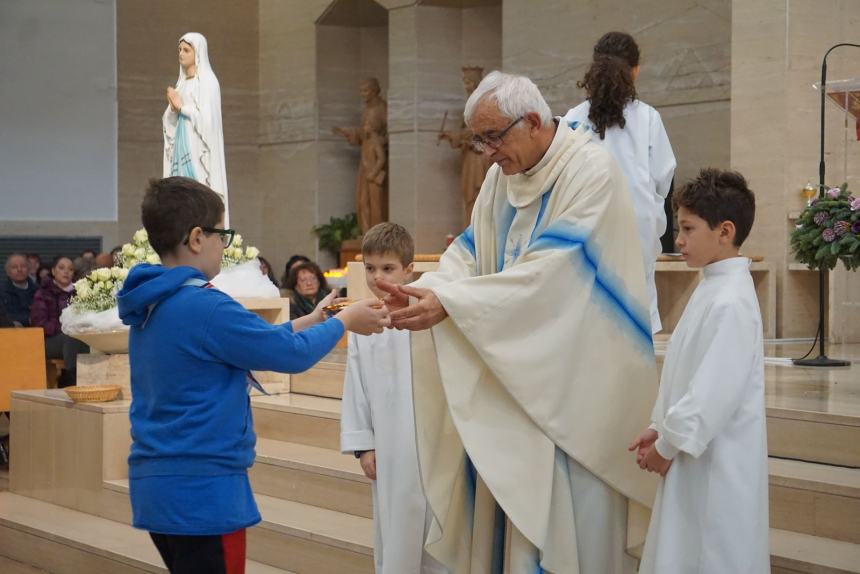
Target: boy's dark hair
pixel 388 237
pixel 717 196
pixel 608 83
pixel 293 279
pixel 173 206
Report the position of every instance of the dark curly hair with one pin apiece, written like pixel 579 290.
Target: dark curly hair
pixel 608 83
pixel 717 196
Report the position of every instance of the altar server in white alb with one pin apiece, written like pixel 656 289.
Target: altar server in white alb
pixel 191 124
pixel 707 436
pixel 378 422
pixel 538 354
pixel 633 133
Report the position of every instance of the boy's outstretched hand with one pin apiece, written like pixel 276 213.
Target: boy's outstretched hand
pixel 368 463
pixel 365 317
pixel 653 462
pixel 425 313
pixel 642 443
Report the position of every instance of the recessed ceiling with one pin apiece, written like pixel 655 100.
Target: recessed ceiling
pixel 355 13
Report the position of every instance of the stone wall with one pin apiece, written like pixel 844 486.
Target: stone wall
pixel 778 48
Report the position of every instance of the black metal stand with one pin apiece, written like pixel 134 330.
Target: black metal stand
pixel 822 360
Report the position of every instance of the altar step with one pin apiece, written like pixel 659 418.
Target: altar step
pixel 302 419
pixel 795 553
pixel 304 539
pixel 808 432
pixel 51 538
pixel 815 499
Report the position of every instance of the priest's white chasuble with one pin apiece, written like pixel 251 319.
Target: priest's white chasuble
pixel 711 511
pixel 528 394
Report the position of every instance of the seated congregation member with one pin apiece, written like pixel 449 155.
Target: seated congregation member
pixel 48 303
pixel 306 287
pixel 266 269
pixel 633 133
pixel 378 423
pixel 707 438
pixel 34 262
pixel 285 278
pixel 191 348
pixel 18 290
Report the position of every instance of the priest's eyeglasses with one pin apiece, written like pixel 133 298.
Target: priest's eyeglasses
pixel 226 234
pixel 491 140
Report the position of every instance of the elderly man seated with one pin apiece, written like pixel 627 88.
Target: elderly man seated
pixel 540 358
pixel 18 290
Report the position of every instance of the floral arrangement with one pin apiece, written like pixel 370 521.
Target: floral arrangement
pixel 138 251
pixel 97 291
pixel 236 254
pixel 828 231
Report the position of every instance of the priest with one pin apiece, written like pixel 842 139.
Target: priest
pixel 532 355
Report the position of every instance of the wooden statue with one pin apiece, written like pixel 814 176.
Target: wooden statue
pixel 474 163
pixel 372 135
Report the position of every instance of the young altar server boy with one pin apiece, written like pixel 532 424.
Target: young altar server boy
pixel 707 438
pixel 191 349
pixel 378 422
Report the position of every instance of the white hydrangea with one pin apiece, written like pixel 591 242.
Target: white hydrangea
pixel 140 236
pixel 128 249
pixel 140 254
pixel 153 259
pixel 252 252
pixel 237 240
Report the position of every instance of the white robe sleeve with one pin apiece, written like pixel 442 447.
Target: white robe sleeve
pixel 717 383
pixel 661 158
pixel 356 422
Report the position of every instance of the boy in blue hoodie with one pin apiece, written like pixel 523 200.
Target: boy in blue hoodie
pixel 191 349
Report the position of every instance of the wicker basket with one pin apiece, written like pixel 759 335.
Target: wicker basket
pixel 93 393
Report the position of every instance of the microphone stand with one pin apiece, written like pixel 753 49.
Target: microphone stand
pixel 822 360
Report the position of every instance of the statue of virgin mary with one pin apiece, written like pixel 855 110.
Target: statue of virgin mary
pixel 193 137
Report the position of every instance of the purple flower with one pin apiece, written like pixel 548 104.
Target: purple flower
pixel 833 192
pixel 855 204
pixel 828 235
pixel 820 218
pixel 856 227
pixel 841 227
pixel 813 202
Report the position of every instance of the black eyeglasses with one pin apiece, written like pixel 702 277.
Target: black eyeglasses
pixel 493 141
pixel 226 234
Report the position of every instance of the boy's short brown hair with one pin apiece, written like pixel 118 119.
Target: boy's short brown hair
pixel 173 206
pixel 716 196
pixel 389 237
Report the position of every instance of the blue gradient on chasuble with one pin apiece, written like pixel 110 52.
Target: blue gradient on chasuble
pixel 544 199
pixel 181 163
pixel 467 241
pixel 561 236
pixel 471 490
pixel 504 220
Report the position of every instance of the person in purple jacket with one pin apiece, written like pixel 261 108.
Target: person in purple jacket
pixel 191 348
pixel 48 302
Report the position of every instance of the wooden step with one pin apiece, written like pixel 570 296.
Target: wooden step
pixel 325 379
pixel 311 475
pixel 795 553
pixel 302 419
pixel 64 541
pixel 305 539
pixel 813 436
pixel 816 499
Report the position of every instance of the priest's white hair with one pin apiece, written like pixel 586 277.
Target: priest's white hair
pixel 514 95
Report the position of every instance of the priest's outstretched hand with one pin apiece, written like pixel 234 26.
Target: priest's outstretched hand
pixel 424 313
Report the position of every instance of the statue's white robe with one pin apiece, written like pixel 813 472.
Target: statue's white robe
pixel 711 511
pixel 377 415
pixel 643 152
pixel 529 393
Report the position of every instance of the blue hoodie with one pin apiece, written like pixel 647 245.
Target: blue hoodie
pixel 190 349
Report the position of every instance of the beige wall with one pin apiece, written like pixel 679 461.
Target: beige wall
pixel 777 48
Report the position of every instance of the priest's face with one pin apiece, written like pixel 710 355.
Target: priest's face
pixel 699 244
pixel 507 141
pixel 386 267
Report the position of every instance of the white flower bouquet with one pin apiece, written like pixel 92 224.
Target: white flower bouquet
pixel 93 307
pixel 138 251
